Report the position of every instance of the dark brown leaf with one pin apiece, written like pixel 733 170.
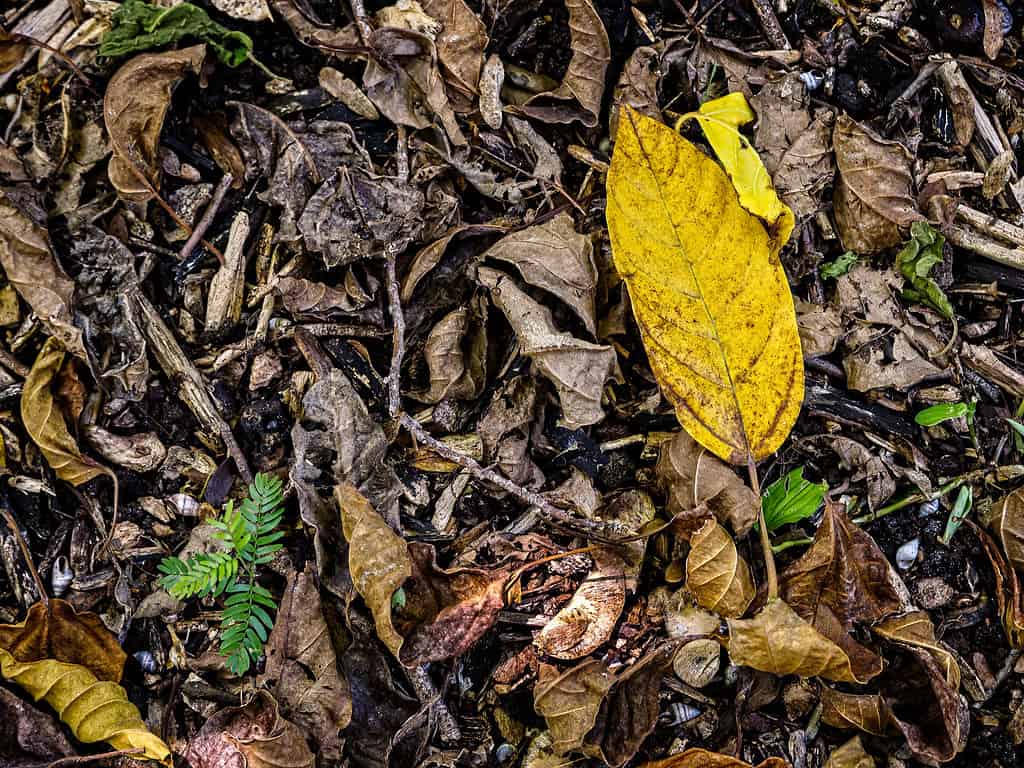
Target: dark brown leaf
pixel 29 737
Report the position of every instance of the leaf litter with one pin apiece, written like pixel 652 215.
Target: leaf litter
pixel 641 381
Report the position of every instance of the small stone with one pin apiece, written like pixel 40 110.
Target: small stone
pixel 933 592
pixel 906 555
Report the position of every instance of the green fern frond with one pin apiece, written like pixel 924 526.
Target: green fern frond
pixel 250 530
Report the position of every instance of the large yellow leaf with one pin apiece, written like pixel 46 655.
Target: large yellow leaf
pixel 708 292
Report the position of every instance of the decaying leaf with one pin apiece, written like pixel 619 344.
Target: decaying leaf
pixel 806 168
pixel 28 736
pixel 134 105
pixel 141 452
pixel 456 355
pixel 348 93
pixel 45 423
pixel 874 189
pixel 579 95
pixel 697 662
pixel 1008 525
pixel 254 736
pixel 726 351
pixel 778 641
pixel 865 712
pixel 638 86
pixel 588 619
pixel 32 268
pixel 71 661
pixel 716 575
pixel 378 559
pixel 302 669
pixel 843 571
pixel 570 701
pixel 460 48
pixel 554 257
pixel 309 298
pixel 702 758
pixel 915 629
pixel 578 369
pixel 693 477
pixel 850 755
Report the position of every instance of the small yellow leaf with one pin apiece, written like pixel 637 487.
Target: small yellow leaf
pixel 721 119
pixel 708 292
pixel 45 423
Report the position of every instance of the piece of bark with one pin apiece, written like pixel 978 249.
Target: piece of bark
pixel 984 361
pixel 227 289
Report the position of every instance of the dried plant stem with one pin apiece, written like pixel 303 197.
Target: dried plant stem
pixel 25 552
pixel 208 216
pixel 770 24
pixel 83 759
pixel 428 695
pixel 362 22
pixel 397 336
pixel 766 542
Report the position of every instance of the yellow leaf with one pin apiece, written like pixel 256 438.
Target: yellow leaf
pixel 721 119
pixel 45 423
pixel 716 575
pixel 708 292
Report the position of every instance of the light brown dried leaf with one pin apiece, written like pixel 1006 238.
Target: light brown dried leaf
pixel 588 619
pixel 1008 526
pixel 638 86
pixel 716 575
pixel 782 116
pixel 701 758
pixel 915 629
pixel 578 369
pixel 693 476
pixel 347 92
pixel 141 452
pixel 579 95
pixel 455 352
pixel 460 48
pixel 302 669
pixel 570 701
pixel 310 298
pixel 850 755
pixel 866 712
pixel 134 105
pixel 874 189
pixel 778 641
pixel 806 168
pixel 45 423
pixel 697 662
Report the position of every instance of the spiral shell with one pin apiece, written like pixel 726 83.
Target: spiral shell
pixel 61 576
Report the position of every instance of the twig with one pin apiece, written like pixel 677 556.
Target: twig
pixel 59 54
pixel 990 249
pixel 13 525
pixel 429 696
pixel 397 335
pixel 208 216
pixel 916 498
pixel 362 24
pixel 11 363
pixel 766 542
pixel 402 154
pixel 770 24
pixel 82 759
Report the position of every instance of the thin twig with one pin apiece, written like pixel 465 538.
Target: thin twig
pixel 397 336
pixel 429 696
pixel 766 542
pixel 83 759
pixel 402 154
pixel 59 54
pixel 770 24
pixel 13 525
pixel 208 216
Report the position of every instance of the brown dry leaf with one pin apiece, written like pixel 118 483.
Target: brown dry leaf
pixel 347 92
pixel 820 329
pixel 697 662
pixel 629 711
pixel 870 468
pixel 460 48
pixel 588 619
pixel 45 423
pixel 253 736
pixel 806 168
pixel 302 669
pixel 554 257
pixel 28 736
pixel 701 758
pixel 456 355
pixel 877 366
pixel 578 369
pixel 782 117
pixel 874 196
pixel 864 711
pixel 570 701
pixel 378 560
pixel 915 629
pixel 778 641
pixel 692 477
pixel 309 298
pixel 638 86
pixel 141 452
pixel 32 268
pixel 850 755
pixel 716 575
pixel 134 105
pixel 1008 526
pixel 843 571
pixel 579 95
pixel 312 31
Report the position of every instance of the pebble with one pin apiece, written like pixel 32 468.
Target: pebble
pixel 933 592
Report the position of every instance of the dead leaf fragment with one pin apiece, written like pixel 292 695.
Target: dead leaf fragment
pixel 460 48
pixel 29 736
pixel 915 629
pixel 579 95
pixel 702 758
pixel 45 423
pixel 874 190
pixel 134 106
pixel 569 701
pixel 141 452
pixel 850 755
pixel 778 641
pixel 716 575
pixel 348 93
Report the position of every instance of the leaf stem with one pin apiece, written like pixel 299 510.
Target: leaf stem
pixel 766 542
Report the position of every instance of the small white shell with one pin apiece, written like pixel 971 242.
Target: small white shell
pixel 683 713
pixel 186 505
pixel 61 576
pixel 906 555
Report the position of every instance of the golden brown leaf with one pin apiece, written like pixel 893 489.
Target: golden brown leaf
pixel 716 575
pixel 377 558
pixel 588 619
pixel 45 424
pixel 850 755
pixel 569 702
pixel 712 302
pixel 134 106
pixel 778 641
pixel 915 629
pixel 701 758
pixel 866 712
pixel 1008 525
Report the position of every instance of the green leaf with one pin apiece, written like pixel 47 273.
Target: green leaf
pixel 961 508
pixel 921 253
pixel 791 499
pixel 139 26
pixel 936 414
pixel 838 267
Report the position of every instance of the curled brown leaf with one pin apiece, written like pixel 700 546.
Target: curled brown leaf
pixel 716 575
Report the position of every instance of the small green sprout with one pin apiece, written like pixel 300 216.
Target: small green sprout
pixel 961 508
pixel 791 499
pixel 937 414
